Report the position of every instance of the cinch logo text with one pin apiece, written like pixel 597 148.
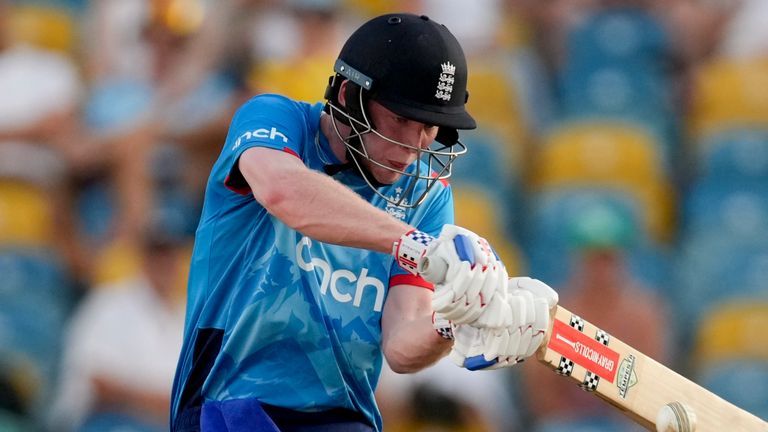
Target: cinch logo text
pixel 272 134
pixel 332 277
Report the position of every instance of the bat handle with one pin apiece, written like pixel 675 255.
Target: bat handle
pixel 433 269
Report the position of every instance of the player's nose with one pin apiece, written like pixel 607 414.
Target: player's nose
pixel 419 135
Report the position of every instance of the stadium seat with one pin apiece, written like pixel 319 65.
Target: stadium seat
pixel 732 331
pixel 714 269
pixel 740 153
pixel 26 215
pixel 33 275
pixel 488 166
pixel 47 26
pixel 618 36
pixel 731 206
pixel 36 297
pixel 614 67
pixel 477 211
pixel 608 156
pixel 495 103
pixel 743 383
pixel 729 94
pixel 297 79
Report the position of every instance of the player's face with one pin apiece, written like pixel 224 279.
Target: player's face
pixel 391 155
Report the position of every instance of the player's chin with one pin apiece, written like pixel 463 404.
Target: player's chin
pixel 387 177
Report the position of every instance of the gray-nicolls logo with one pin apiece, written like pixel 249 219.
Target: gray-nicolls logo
pixel 445 84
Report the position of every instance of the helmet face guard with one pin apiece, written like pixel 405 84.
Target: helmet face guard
pixel 439 157
pixel 415 68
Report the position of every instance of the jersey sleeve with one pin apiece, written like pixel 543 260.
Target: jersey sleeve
pixel 270 121
pixel 437 212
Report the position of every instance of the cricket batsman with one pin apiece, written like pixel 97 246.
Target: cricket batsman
pixel 308 264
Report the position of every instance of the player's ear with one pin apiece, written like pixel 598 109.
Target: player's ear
pixel 342 96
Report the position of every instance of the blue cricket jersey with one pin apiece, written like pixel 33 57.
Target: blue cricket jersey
pixel 273 315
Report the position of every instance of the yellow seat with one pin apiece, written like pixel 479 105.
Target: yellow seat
pixel 728 94
pixel 735 330
pixel 26 215
pixel 494 101
pixel 475 211
pixel 369 8
pixel 46 27
pixel 117 261
pixel 300 79
pixel 613 156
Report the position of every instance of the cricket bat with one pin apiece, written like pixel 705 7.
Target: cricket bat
pixel 648 392
pixel 640 387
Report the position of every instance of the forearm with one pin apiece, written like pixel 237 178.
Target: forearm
pixel 316 205
pixel 409 340
pixel 414 345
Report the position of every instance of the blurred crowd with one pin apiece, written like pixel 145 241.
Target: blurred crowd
pixel 621 157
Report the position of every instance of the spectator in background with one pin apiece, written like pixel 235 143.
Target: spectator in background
pixel 173 101
pixel 316 35
pixel 733 29
pixel 605 293
pixel 123 342
pixel 38 135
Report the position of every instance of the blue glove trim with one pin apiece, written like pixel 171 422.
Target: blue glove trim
pixel 464 248
pixel 478 362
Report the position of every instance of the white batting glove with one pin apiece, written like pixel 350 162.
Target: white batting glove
pixel 468 347
pixel 530 301
pixel 472 274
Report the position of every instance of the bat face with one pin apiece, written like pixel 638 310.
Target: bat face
pixel 633 382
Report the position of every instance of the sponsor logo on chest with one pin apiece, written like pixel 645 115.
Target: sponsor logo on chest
pixel 342 285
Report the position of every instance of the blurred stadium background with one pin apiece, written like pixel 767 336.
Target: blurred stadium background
pixel 622 157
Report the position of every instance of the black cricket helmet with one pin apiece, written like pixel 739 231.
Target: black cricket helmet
pixel 416 68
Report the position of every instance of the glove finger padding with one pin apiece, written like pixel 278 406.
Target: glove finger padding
pixel 446 295
pixel 495 284
pixel 540 325
pixel 496 314
pixel 525 346
pixel 522 306
pixel 538 288
pixel 495 343
pixel 470 309
pixel 459 309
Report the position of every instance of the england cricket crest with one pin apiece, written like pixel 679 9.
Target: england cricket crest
pixel 395 210
pixel 445 82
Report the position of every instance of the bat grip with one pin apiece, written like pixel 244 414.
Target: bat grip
pixel 433 269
